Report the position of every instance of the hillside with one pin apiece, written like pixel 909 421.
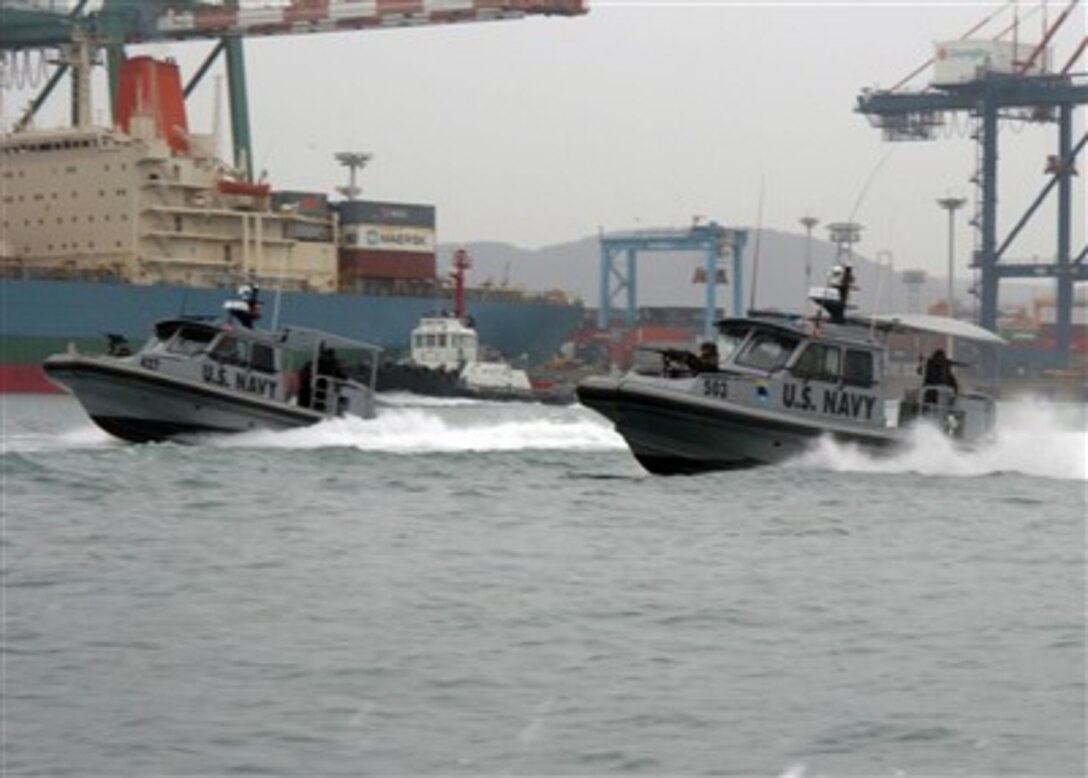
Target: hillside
pixel 665 279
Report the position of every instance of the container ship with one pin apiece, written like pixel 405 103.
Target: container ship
pixel 106 230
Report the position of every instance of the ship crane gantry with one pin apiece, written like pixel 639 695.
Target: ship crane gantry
pixel 987 94
pixel 112 24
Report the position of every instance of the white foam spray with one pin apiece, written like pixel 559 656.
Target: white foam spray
pixel 413 430
pixel 1032 437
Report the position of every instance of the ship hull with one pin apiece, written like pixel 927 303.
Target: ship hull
pixel 671 433
pixel 43 317
pixel 141 406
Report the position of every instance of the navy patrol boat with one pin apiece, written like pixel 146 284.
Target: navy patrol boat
pixel 200 376
pixel 773 384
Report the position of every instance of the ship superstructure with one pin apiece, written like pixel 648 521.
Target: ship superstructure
pixel 149 203
pixel 107 229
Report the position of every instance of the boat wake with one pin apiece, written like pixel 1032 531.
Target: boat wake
pixel 1032 438
pixel 410 400
pixel 415 430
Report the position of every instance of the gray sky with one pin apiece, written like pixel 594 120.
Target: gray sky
pixel 640 114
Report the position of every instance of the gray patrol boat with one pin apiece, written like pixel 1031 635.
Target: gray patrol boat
pixel 198 376
pixel 773 384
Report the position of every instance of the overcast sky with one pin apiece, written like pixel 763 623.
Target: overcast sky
pixel 640 114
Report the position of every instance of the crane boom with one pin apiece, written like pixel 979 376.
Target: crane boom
pixel 145 21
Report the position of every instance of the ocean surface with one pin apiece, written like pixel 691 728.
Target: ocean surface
pixel 474 589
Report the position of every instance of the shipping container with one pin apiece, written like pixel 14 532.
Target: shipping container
pixel 403 214
pixel 356 264
pixel 960 62
pixel 384 237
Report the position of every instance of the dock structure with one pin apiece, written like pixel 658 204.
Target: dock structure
pixel 990 81
pixel 714 242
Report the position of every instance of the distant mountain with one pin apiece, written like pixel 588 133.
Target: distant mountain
pixel 666 279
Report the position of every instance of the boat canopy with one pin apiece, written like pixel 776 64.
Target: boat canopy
pixel 938 325
pixel 294 338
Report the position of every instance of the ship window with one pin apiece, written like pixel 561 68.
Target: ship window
pixel 261 357
pixel 858 368
pixel 430 341
pixel 818 362
pixel 441 341
pixel 230 351
pixel 729 339
pixel 189 340
pixel 767 351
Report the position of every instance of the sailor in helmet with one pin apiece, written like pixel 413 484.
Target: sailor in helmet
pixel 841 280
pixel 247 307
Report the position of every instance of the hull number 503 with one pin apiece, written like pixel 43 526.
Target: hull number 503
pixel 715 387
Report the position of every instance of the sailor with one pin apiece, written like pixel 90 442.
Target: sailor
pixel 708 357
pixel 328 364
pixel 247 308
pixel 938 372
pixel 840 279
pixel 306 384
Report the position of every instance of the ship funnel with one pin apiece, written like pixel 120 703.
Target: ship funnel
pixel 152 88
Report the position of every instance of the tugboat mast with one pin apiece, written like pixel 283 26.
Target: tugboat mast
pixel 461 262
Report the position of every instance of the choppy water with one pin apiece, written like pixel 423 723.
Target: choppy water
pixel 477 589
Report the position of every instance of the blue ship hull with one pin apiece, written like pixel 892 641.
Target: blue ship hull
pixel 40 317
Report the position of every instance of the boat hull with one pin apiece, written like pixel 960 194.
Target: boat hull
pixel 672 433
pixel 142 406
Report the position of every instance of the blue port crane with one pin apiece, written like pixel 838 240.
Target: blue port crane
pixel 81 28
pixel 988 97
pixel 712 240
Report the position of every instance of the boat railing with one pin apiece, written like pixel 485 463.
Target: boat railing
pixel 338 396
pixel 937 403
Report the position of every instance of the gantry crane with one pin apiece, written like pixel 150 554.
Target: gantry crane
pixel 712 240
pixel 989 94
pixel 112 24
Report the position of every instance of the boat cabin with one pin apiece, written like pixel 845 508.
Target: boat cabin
pixel 829 374
pixel 444 343
pixel 834 373
pixel 313 369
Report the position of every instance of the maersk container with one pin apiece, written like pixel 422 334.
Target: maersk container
pixel 964 61
pixel 372 212
pixel 356 264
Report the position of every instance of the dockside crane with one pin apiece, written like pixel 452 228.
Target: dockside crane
pixel 78 30
pixel 990 80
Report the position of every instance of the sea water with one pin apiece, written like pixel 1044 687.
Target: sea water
pixel 459 588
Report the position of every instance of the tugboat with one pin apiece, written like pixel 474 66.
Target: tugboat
pixel 445 358
pixel 200 376
pixel 773 384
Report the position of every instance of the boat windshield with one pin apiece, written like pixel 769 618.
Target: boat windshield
pixel 729 340
pixel 767 350
pixel 184 339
